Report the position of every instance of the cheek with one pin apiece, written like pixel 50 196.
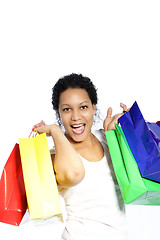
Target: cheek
pixel 89 118
pixel 65 119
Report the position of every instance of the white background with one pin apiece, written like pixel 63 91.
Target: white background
pixel 115 43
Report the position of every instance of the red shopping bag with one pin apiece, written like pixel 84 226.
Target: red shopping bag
pixel 13 203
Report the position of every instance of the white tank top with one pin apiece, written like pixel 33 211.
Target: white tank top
pixel 95 208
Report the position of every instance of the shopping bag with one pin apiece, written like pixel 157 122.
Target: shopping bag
pixel 134 188
pixel 41 187
pixel 143 139
pixel 13 203
pixel 154 129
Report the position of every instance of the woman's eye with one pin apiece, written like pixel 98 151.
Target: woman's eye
pixel 66 109
pixel 84 107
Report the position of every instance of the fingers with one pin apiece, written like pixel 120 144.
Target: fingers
pixel 124 107
pixel 109 112
pixel 109 122
pixel 41 129
pixel 42 123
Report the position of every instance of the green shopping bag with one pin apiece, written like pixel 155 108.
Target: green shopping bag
pixel 134 188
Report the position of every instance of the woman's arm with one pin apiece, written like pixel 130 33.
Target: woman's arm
pixel 68 166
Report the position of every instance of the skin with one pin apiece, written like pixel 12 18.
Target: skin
pixel 77 115
pixel 111 120
pixel 75 108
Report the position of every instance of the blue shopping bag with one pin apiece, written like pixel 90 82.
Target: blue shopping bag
pixel 144 141
pixel 155 131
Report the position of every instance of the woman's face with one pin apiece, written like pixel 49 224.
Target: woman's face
pixel 76 112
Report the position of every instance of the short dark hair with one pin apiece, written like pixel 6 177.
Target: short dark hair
pixel 73 81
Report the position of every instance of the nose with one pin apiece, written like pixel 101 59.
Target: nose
pixel 76 115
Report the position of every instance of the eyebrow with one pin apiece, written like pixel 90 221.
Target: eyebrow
pixel 66 104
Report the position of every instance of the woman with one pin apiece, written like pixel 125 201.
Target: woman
pixel 82 164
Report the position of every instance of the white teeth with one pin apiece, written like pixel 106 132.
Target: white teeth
pixel 76 126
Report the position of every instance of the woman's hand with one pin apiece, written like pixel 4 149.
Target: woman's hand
pixel 48 129
pixel 109 122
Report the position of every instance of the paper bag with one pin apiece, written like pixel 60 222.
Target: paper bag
pixel 41 187
pixel 13 203
pixel 143 139
pixel 134 188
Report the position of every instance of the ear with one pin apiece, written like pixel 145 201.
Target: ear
pixel 58 114
pixel 58 118
pixel 94 108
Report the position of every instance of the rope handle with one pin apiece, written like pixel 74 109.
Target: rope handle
pixel 33 133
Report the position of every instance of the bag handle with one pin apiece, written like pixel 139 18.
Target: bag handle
pixel 33 133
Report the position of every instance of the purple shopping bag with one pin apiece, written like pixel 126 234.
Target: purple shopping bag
pixel 144 141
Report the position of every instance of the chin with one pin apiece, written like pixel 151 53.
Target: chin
pixel 79 140
pixel 76 138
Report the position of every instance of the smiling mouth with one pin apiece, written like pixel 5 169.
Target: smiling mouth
pixel 78 128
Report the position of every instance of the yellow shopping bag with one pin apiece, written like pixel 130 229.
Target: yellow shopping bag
pixel 40 184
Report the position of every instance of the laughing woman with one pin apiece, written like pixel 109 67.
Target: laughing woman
pixel 82 164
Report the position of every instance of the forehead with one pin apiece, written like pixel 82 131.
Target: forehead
pixel 74 96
